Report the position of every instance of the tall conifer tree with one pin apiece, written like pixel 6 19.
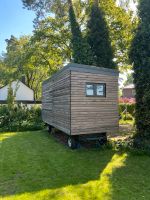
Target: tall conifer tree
pixel 140 57
pixel 81 50
pixel 98 37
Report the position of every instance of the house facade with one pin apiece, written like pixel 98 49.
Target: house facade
pixel 20 90
pixel 128 91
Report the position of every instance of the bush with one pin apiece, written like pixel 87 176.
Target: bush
pixel 127 100
pixel 122 144
pixel 127 116
pixel 127 108
pixel 20 118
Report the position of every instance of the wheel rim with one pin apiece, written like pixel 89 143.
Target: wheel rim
pixel 69 142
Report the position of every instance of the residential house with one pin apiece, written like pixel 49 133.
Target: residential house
pixel 128 91
pixel 21 91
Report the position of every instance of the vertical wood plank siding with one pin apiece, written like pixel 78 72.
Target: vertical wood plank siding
pixel 93 114
pixel 56 101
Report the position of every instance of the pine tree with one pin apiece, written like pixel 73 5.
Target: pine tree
pixel 81 50
pixel 140 57
pixel 98 37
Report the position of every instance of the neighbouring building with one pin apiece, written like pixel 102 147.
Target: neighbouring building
pixel 22 92
pixel 128 91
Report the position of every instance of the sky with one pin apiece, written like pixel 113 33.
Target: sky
pixel 14 20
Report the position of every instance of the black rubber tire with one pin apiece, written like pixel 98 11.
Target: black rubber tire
pixel 103 140
pixel 72 142
pixel 50 129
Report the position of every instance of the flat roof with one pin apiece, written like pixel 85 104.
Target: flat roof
pixel 85 68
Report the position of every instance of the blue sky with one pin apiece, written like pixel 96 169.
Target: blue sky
pixel 14 20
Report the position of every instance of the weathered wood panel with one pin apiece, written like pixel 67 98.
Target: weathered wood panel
pixel 93 114
pixel 56 102
pixel 66 106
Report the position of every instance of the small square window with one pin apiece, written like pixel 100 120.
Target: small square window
pixel 96 89
pixel 89 89
pixel 100 90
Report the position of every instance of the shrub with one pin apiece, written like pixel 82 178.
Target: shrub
pixel 122 144
pixel 127 100
pixel 20 118
pixel 141 144
pixel 127 116
pixel 127 108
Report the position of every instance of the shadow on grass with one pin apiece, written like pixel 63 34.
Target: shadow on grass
pixel 35 166
pixel 33 161
pixel 132 181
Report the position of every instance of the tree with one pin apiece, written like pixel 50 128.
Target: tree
pixel 2 71
pixel 54 33
pixel 80 49
pixel 140 56
pixel 120 23
pixel 6 73
pixel 33 59
pixel 76 38
pixel 10 98
pixel 41 61
pixel 129 79
pixel 121 26
pixel 98 37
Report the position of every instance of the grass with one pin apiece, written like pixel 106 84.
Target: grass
pixel 34 166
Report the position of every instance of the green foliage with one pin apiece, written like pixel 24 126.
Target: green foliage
pixel 80 49
pixel 34 59
pixel 142 144
pixel 123 144
pixel 20 118
pixel 53 32
pixel 98 38
pixel 141 63
pixel 129 79
pixel 129 108
pixel 128 123
pixel 127 116
pixel 120 23
pixel 10 98
pixel 121 29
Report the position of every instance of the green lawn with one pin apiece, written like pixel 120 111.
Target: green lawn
pixel 34 166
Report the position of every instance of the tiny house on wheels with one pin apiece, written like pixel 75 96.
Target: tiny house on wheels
pixel 82 101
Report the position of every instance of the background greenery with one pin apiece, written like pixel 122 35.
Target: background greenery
pixel 38 56
pixel 20 118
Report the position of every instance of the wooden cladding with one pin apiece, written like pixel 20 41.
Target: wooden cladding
pixel 56 102
pixel 93 114
pixel 66 106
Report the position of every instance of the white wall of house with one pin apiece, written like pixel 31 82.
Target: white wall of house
pixel 23 93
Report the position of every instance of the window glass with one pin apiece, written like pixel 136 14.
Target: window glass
pixel 100 90
pixel 89 90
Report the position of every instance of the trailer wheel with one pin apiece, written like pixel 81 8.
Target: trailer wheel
pixel 72 142
pixel 50 128
pixel 103 140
